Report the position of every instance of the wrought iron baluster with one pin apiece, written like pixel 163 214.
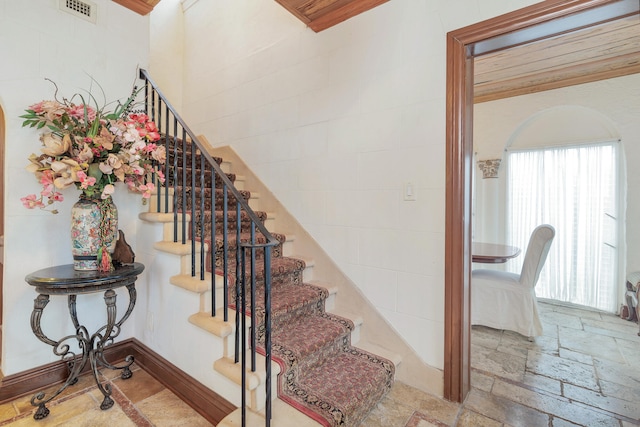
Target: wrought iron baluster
pixel 243 324
pixel 174 180
pixel 225 251
pixel 212 238
pixel 184 186
pixel 167 138
pixel 267 327
pixel 239 277
pixel 193 206
pixel 202 233
pixel 253 296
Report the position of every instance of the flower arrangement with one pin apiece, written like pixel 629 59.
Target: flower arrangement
pixel 86 146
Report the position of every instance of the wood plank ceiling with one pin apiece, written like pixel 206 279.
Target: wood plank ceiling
pixel 596 53
pixel 322 14
pixel 141 7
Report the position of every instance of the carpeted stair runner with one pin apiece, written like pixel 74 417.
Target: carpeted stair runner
pixel 322 374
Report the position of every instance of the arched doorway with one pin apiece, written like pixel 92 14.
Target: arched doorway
pixel 536 22
pixel 2 143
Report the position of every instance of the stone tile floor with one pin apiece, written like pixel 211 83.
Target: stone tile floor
pixel 139 401
pixel 584 371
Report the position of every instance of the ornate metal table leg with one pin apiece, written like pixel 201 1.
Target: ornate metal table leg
pixel 97 341
pixel 126 371
pixel 39 399
pixel 109 337
pixel 71 302
pixel 107 402
pixel 42 411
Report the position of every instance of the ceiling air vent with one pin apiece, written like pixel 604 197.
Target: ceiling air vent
pixel 81 8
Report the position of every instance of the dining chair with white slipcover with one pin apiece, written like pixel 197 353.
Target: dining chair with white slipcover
pixel 504 300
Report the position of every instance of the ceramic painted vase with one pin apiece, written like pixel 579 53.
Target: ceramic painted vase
pixel 94 223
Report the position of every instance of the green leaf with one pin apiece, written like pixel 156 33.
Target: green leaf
pixel 93 131
pixel 94 171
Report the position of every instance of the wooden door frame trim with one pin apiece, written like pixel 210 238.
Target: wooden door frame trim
pixel 459 148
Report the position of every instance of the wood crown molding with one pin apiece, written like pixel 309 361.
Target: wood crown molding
pixel 203 400
pixel 141 7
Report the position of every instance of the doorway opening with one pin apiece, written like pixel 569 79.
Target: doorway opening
pixel 537 22
pixel 2 143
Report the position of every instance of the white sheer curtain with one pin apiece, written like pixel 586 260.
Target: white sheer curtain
pixel 575 190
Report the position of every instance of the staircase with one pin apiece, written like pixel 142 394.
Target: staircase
pixel 223 245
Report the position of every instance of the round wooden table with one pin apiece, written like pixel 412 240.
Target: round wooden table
pixel 492 253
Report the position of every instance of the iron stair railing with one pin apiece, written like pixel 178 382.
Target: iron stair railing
pixel 178 138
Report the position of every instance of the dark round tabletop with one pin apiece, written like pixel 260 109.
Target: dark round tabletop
pixel 63 279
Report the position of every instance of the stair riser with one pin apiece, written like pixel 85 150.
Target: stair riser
pixel 256 391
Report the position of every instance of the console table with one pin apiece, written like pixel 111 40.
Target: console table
pixel 64 280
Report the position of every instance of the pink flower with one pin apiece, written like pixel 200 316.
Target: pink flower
pixel 88 182
pixel 77 112
pixel 149 148
pixel 56 197
pixel 140 118
pixel 146 190
pixel 47 190
pixel 37 108
pixel 85 181
pixel 151 127
pixel 32 202
pixel 153 136
pixel 46 177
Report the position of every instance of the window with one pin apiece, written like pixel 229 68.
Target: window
pixel 575 190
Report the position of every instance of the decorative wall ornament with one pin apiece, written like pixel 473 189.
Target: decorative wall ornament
pixel 489 168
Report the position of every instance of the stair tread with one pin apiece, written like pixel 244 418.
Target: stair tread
pixel 289 297
pixel 352 366
pixel 306 336
pixel 381 351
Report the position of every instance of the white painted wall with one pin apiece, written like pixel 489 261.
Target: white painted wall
pixel 37 41
pixel 335 124
pixel 165 58
pixel 588 112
